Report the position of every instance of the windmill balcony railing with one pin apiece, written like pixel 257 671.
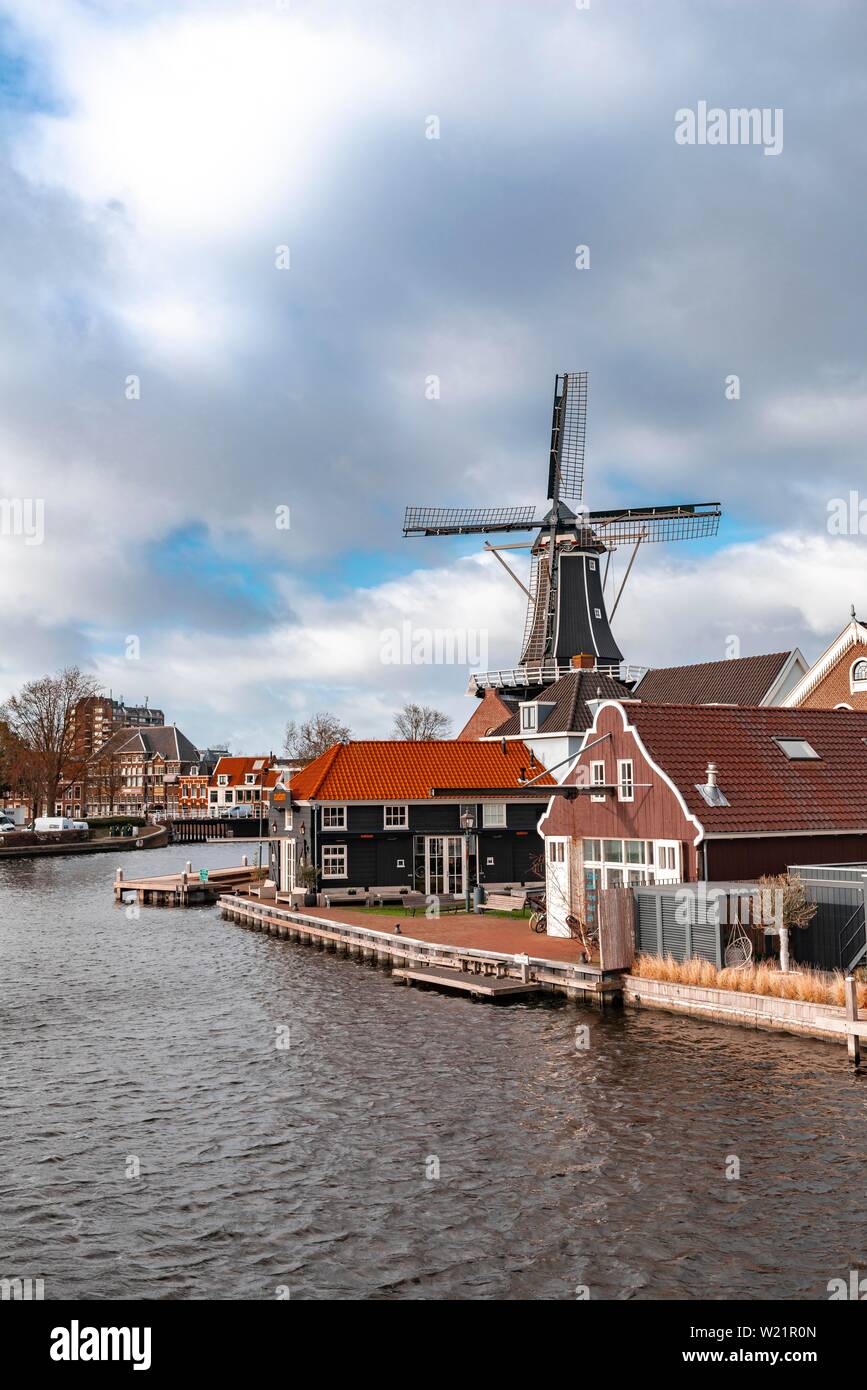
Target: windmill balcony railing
pixel 527 677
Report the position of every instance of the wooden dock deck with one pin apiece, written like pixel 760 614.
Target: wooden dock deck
pixel 478 986
pixel 429 956
pixel 186 888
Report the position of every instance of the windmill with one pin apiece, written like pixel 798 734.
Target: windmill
pixel 566 612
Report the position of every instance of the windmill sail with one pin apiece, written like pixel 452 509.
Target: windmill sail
pixel 681 521
pixel 462 521
pixel 568 430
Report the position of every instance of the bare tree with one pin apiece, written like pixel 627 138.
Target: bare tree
pixel 42 717
pixel 784 904
pixel 420 724
pixel 307 740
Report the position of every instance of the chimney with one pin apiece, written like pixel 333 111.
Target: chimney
pixel 711 775
pixel 584 661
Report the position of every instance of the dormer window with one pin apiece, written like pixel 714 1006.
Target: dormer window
pixel 529 718
pixel 797 749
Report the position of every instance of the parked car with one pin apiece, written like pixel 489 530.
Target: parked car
pixel 43 823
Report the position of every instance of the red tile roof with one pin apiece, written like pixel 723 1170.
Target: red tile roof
pixel 766 790
pixel 368 770
pixel 743 680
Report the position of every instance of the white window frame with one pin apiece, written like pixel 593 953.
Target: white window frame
pixel 339 815
pixel 595 779
pixel 392 806
pixel 667 861
pixel 853 683
pixel 334 850
pixel 222 779
pixel 628 781
pixel 529 718
pixel 488 808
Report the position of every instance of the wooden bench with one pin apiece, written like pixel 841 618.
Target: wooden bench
pixel 394 893
pixel 504 902
pixel 344 895
pixel 418 902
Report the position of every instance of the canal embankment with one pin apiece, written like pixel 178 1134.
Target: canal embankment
pixel 463 950
pixel 58 843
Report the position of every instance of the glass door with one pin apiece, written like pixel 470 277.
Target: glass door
pixel 444 865
pixel 435 853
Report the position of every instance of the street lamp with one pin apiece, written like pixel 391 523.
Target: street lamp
pixel 468 825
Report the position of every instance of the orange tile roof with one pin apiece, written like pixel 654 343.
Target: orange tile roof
pixel 237 769
pixel 370 770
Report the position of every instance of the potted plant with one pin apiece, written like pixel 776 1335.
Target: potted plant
pixel 308 877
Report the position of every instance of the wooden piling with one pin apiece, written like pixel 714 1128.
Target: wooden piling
pixel 853 1042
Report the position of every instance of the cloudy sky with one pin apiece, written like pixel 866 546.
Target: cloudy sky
pixel 170 385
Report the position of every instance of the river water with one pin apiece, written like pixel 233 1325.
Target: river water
pixel 149 1047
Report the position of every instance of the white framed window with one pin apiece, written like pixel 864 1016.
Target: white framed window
pixel 334 861
pixel 230 795
pixel 494 815
pixel 529 718
pixel 212 797
pixel 610 863
pixel 250 778
pixel 597 778
pixel 598 612
pixel 858 675
pixel 223 779
pixel 625 782
pixel 556 851
pixel 333 817
pixel 667 856
pixel 396 816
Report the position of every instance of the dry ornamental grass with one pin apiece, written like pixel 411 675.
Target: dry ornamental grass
pixel 763 977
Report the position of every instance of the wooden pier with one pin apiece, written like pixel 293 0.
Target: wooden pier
pixel 478 972
pixel 187 888
pixel 478 986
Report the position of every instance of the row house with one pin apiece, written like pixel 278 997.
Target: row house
pixel 136 773
pixel 242 786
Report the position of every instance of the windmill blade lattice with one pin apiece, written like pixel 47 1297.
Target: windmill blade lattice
pixel 568 431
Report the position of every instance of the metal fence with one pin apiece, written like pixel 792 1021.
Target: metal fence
pixel 836 939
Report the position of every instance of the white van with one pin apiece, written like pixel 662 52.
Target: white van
pixel 53 823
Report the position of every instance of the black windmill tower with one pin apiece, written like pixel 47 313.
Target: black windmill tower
pixel 566 612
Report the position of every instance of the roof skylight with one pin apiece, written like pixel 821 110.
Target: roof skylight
pixel 797 749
